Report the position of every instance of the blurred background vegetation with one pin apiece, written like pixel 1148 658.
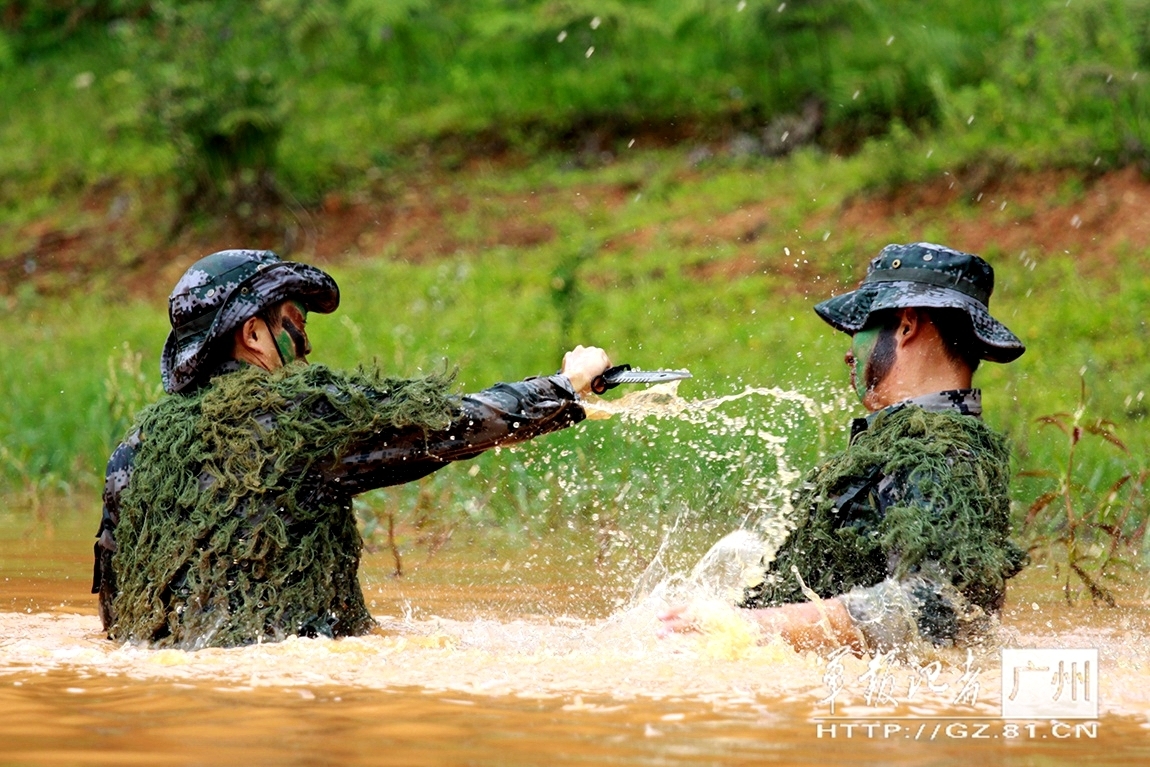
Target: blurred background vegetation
pixel 319 91
pixel 676 180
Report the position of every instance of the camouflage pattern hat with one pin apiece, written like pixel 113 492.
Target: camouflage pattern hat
pixel 931 276
pixel 220 292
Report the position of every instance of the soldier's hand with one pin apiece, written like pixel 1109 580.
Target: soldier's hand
pixel 677 619
pixel 582 364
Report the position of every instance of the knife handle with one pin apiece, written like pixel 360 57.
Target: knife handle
pixel 603 381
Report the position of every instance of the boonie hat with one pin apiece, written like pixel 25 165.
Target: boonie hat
pixel 220 292
pixel 931 276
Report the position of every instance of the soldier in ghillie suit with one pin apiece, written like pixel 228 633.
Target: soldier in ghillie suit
pixel 903 537
pixel 228 509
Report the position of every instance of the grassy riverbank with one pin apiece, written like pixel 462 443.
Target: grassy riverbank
pixel 318 94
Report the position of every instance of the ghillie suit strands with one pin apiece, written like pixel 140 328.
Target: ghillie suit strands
pixel 228 534
pixel 919 497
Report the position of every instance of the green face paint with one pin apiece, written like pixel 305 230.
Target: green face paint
pixel 291 340
pixel 862 346
pixel 286 345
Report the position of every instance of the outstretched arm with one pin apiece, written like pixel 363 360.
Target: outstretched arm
pixel 503 414
pixel 920 599
pixel 818 626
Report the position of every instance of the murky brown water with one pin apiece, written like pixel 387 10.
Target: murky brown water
pixel 484 660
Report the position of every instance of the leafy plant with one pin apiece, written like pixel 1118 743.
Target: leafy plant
pixel 45 23
pixel 1070 87
pixel 213 94
pixel 1092 526
pixel 33 485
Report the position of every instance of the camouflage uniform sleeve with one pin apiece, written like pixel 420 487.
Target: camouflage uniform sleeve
pixel 896 614
pixel 501 415
pixel 116 478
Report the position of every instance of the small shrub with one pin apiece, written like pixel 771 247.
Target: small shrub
pixel 1093 525
pixel 213 94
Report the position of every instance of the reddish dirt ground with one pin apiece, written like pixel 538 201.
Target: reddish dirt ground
pixel 1049 212
pixel 1100 219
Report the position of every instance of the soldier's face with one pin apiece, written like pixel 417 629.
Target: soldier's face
pixel 291 334
pixel 862 346
pixel 870 359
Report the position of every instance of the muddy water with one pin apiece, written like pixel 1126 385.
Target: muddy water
pixel 478 663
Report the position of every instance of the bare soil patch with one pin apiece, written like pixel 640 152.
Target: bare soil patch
pixel 1099 220
pixel 1050 212
pixel 109 236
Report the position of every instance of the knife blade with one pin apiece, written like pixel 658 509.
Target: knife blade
pixel 623 374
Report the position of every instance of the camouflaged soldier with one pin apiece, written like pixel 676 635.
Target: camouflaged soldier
pixel 902 538
pixel 228 509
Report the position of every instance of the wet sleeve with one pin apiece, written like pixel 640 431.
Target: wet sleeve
pixel 116 478
pixel 898 613
pixel 504 414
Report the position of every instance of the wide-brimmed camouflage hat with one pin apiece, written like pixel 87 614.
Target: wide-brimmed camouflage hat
pixel 220 292
pixel 931 276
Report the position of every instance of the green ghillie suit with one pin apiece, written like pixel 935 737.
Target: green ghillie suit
pixel 225 536
pixel 909 526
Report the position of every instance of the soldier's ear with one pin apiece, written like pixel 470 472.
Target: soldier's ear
pixel 252 328
pixel 248 335
pixel 909 324
pixel 254 344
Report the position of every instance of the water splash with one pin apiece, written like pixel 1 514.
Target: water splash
pixel 750 449
pixel 498 649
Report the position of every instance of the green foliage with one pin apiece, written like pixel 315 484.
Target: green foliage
pixel 567 294
pixel 1071 88
pixel 7 52
pixel 213 93
pixel 1095 523
pixel 40 24
pixel 128 388
pixel 242 100
pixel 310 94
pixel 494 312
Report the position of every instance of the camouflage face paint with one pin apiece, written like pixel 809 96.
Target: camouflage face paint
pixel 862 346
pixel 881 360
pixel 291 338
